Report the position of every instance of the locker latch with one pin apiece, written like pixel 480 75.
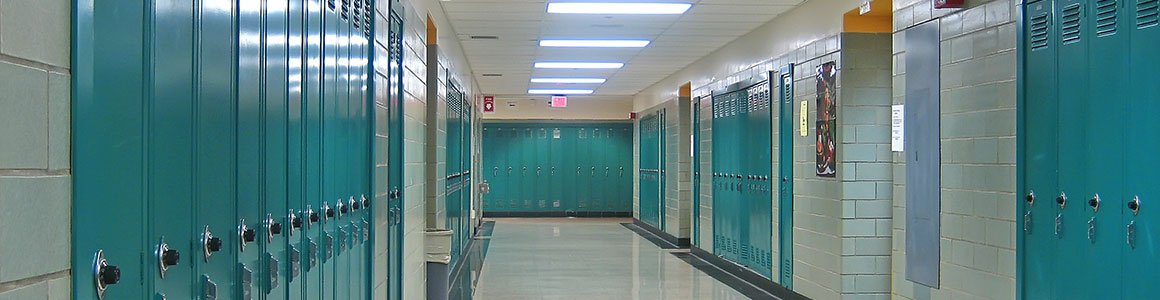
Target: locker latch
pixel 295 222
pixel 272 228
pixel 210 244
pixel 166 257
pixel 247 235
pixel 245 282
pixel 208 288
pixel 104 273
pixel 295 259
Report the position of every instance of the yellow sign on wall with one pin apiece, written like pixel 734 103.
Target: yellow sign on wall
pixel 805 118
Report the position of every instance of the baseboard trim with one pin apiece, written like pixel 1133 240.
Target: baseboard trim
pixel 746 275
pixel 674 241
pixel 556 214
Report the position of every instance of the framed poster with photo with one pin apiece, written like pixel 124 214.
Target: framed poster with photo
pixel 827 121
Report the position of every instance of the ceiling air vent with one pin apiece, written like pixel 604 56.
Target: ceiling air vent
pixel 484 37
pixel 492 75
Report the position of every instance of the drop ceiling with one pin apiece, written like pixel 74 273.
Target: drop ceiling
pixel 677 40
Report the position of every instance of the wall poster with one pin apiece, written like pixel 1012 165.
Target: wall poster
pixel 827 122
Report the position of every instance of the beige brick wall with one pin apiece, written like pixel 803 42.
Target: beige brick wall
pixel 35 149
pixel 977 90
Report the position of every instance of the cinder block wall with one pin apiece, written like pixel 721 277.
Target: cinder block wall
pixel 414 157
pixel 977 91
pixel 436 150
pixel 35 149
pixel 704 238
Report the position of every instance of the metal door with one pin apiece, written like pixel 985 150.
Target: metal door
pixel 108 106
pixel 785 176
pixel 1139 256
pixel 170 153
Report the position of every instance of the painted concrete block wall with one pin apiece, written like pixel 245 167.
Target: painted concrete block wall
pixel 977 90
pixel 436 150
pixel 35 149
pixel 414 157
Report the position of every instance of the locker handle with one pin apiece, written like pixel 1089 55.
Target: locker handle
pixel 1061 200
pixel 1030 198
pixel 593 173
pixel 1134 205
pixel 105 273
pixel 524 171
pixel 509 170
pixel 553 171
pixel 621 171
pixel 1094 202
pixel 538 169
pixel 496 171
pixel 577 171
pixel 606 171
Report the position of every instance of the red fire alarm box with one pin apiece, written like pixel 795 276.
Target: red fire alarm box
pixel 488 103
pixel 948 3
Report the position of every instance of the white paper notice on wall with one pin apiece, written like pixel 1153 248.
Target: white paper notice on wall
pixel 896 127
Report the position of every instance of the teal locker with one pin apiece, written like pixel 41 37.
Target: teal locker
pixel 696 171
pixel 170 153
pixel 600 143
pixel 624 171
pixel 784 177
pixel 1081 203
pixel 331 131
pixel 270 225
pixel 555 178
pixel 250 141
pixel 395 176
pixel 540 182
pixel 109 105
pixel 515 155
pixel 314 113
pixel 583 163
pixel 294 222
pixel 1074 187
pixel 570 140
pixel 215 138
pixel 1140 256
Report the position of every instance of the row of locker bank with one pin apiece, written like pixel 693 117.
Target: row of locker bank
pixel 224 150
pixel 574 169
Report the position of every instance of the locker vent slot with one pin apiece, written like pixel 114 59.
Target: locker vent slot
pixel 1146 13
pixel 345 9
pixel 357 15
pixel 1039 30
pixel 1106 15
pixel 368 16
pixel 1070 24
pixel 330 4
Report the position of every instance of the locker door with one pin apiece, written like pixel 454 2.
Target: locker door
pixel 1140 257
pixel 784 176
pixel 294 222
pixel 608 164
pixel 170 156
pixel 555 176
pixel 249 151
pixel 1073 184
pixel 515 156
pixel 343 155
pixel 570 188
pixel 762 219
pixel 583 160
pixel 311 212
pixel 395 197
pixel 661 163
pixel 696 170
pixel 624 194
pixel 216 189
pixel 331 136
pixel 527 169
pixel 270 222
pixel 1040 154
pixel 599 185
pixel 538 169
pixel 489 168
pixel 1107 59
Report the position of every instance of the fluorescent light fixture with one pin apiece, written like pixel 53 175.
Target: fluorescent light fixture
pixel 619 8
pixel 595 43
pixel 568 80
pixel 578 65
pixel 559 92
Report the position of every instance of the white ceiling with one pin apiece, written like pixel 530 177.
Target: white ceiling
pixel 678 40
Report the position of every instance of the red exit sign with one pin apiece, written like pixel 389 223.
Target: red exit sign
pixel 559 101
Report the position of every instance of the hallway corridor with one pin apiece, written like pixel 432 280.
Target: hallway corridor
pixel 588 259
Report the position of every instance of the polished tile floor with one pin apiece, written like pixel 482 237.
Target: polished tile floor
pixel 587 259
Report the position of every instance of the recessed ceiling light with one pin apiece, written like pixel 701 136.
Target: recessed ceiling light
pixel 559 92
pixel 578 65
pixel 568 80
pixel 619 8
pixel 594 43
